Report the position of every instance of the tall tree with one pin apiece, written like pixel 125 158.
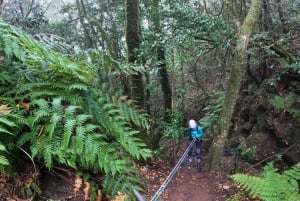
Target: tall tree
pixel 237 75
pixel 163 73
pixel 159 54
pixel 133 43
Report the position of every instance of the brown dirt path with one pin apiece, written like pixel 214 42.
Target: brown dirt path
pixel 190 185
pixel 187 184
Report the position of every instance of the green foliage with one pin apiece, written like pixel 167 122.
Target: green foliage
pixel 272 186
pixel 121 183
pixel 69 118
pixel 174 130
pixel 287 104
pixel 3 160
pixel 10 124
pixel 277 102
pixel 24 50
pixel 211 120
pixel 248 154
pixel 30 188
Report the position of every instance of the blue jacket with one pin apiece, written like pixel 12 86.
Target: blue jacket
pixel 196 132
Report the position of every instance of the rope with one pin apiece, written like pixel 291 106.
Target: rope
pixel 172 173
pixel 138 195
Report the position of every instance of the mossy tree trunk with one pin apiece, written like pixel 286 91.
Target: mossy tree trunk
pixel 236 77
pixel 133 43
pixel 163 74
pixel 164 82
pixel 161 58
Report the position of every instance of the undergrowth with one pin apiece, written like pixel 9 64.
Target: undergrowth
pixel 272 185
pixel 55 110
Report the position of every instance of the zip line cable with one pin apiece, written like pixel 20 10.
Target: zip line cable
pixel 169 178
pixel 172 173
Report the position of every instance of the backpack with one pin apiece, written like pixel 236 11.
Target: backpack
pixel 198 135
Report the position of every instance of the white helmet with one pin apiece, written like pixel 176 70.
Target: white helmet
pixel 192 124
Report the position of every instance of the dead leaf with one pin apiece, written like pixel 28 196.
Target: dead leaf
pixel 77 185
pixel 4 110
pixel 24 105
pixel 86 190
pixel 99 196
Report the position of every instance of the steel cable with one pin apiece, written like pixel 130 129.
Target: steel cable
pixel 172 173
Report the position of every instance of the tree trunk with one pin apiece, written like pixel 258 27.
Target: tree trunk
pixel 82 15
pixel 163 75
pixel 164 82
pixel 161 59
pixel 236 77
pixel 133 43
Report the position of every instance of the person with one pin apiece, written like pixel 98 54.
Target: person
pixel 194 131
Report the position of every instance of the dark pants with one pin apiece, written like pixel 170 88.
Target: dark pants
pixel 196 145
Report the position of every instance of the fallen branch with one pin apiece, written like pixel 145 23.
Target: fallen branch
pixel 265 159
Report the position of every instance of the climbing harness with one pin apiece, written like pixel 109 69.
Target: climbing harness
pixel 169 178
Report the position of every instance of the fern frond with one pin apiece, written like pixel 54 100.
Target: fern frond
pixel 79 139
pixel 121 183
pixel 26 137
pixel 71 110
pixel 82 118
pixel 6 122
pixel 47 155
pixel 81 87
pixel 137 117
pixel 131 144
pixel 51 89
pixel 9 43
pixel 272 186
pixel 3 161
pixel 49 128
pixel 293 175
pixel 109 162
pixel 293 172
pixel 3 126
pixel 68 130
pixel 90 150
pixel 35 54
pixel 90 128
pixel 37 117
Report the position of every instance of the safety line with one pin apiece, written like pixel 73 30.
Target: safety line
pixel 172 173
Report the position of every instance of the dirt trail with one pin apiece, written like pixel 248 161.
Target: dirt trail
pixel 188 184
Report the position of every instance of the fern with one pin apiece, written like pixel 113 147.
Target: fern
pixel 288 104
pixel 121 183
pixel 3 160
pixel 5 124
pixel 37 55
pixel 272 186
pixel 69 121
pixel 50 89
pixel 277 102
pixel 10 124
pixel 68 131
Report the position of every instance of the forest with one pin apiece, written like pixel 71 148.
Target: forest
pixel 96 96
